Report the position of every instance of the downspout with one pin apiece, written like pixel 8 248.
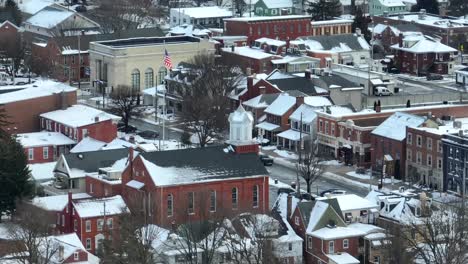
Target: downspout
pixel 162 206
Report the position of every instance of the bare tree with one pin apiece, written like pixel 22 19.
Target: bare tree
pixel 309 166
pixel 124 103
pixel 439 236
pixel 240 7
pixel 119 15
pixel 135 235
pixel 255 245
pixel 205 105
pixel 30 230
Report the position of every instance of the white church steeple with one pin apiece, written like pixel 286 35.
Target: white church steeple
pixel 240 131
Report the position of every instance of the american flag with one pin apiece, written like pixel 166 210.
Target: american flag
pixel 167 60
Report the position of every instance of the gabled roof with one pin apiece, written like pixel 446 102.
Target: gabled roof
pixel 56 202
pixel 328 81
pixel 186 166
pixel 304 111
pixel 423 44
pixel 69 242
pixel 394 127
pixel 321 215
pixel 7 22
pixel 49 17
pixel 288 82
pixel 336 43
pixel 92 161
pixel 38 89
pixel 351 202
pixel 278 3
pixel 283 103
pixel 204 11
pixel 261 101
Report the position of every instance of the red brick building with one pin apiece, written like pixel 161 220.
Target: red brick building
pixel 180 186
pixel 95 219
pixel 42 147
pixel 256 60
pixel 10 37
pixel 24 105
pixel 421 55
pixel 274 27
pixel 99 185
pixel 79 121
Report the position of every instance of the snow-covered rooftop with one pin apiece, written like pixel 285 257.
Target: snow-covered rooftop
pixel 56 202
pixel 79 115
pixel 49 17
pixel 95 206
pixel 33 6
pixel 204 11
pixel 317 212
pixel 394 127
pixel 37 139
pixel 432 20
pixel 392 3
pixel 343 258
pixel 240 115
pixel 267 18
pixel 271 42
pixel 42 172
pixel 281 105
pixel 267 126
pixel 331 22
pixel 423 44
pixel 278 3
pixel 290 134
pixel 351 202
pixel 249 52
pixel 337 232
pixel 317 101
pixel 304 111
pixel 70 243
pixel 447 128
pixel 88 144
pixel 40 88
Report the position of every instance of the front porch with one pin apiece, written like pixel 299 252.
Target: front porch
pixel 291 139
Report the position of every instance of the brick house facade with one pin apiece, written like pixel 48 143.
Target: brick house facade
pixel 249 59
pixel 43 147
pixel 29 103
pixel 424 156
pixel 10 37
pixel 78 122
pixel 276 27
pixel 177 202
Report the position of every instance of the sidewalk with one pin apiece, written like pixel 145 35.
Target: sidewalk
pixel 333 170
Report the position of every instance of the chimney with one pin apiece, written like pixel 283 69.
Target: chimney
pixel 262 89
pixel 289 206
pixel 232 48
pixel 299 101
pixel 63 100
pixel 130 154
pixel 400 40
pixel 422 14
pixel 288 43
pixel 96 119
pixel 131 139
pixel 308 74
pixel 249 80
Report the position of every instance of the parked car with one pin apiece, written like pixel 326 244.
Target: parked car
pixel 382 90
pixel 148 134
pixel 434 77
pixel 267 161
pixel 81 8
pixel 394 70
pixel 332 191
pixel 129 129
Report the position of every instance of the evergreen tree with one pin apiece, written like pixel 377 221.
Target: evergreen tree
pixel 431 6
pixel 15 178
pixel 12 9
pixel 324 9
pixel 458 8
pixel 362 22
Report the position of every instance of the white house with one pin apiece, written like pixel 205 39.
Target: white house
pixel 208 16
pixel 461 77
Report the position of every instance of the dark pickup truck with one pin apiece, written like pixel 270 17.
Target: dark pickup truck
pixel 267 161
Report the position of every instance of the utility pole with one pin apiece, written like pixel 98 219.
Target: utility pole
pixel 79 59
pixel 298 184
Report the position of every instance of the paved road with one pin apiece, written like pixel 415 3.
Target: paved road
pixel 288 175
pixel 142 125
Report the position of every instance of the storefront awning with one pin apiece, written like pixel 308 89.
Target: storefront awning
pixel 268 126
pixel 291 135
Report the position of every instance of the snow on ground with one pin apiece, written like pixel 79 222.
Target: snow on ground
pixel 358 175
pixel 331 163
pixel 269 148
pixel 280 184
pixel 346 180
pixel 286 154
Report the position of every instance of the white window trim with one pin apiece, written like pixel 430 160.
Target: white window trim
pixel 347 243
pixel 86 226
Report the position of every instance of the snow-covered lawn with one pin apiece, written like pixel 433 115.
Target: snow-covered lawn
pixel 286 154
pixel 269 148
pixel 358 175
pixel 279 184
pixel 331 163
